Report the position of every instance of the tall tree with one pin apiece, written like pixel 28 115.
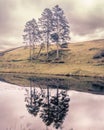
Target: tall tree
pixel 45 23
pixel 60 27
pixel 35 34
pixel 32 35
pixel 28 36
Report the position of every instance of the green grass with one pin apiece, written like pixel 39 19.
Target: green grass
pixel 75 60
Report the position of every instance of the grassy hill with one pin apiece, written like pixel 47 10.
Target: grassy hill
pixel 82 58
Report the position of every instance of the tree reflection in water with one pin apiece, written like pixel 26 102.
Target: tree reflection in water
pixel 34 100
pixel 47 112
pixel 52 108
pixel 60 104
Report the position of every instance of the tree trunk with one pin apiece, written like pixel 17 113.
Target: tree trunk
pixel 39 52
pixel 57 56
pixel 47 44
pixel 30 53
pixel 30 46
pixel 47 52
pixel 33 49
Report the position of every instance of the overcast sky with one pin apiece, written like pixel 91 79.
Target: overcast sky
pixel 86 18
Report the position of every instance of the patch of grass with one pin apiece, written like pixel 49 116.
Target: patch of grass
pixel 77 59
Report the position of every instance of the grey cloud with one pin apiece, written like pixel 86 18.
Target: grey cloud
pixel 87 25
pixel 6 8
pixel 4 44
pixel 88 22
pixel 83 22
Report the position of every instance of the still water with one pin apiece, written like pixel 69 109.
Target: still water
pixel 43 107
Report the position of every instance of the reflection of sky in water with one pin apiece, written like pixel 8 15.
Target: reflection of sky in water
pixel 85 110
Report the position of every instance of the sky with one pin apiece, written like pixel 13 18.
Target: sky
pixel 86 19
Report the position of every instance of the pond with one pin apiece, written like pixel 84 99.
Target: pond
pixel 41 103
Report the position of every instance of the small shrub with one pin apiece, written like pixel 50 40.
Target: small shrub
pixel 91 49
pixel 64 45
pixel 99 55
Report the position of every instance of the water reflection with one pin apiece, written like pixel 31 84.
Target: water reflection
pixel 34 100
pixel 47 103
pixel 84 84
pixel 51 107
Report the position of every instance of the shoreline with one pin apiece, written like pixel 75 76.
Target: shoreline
pixel 51 75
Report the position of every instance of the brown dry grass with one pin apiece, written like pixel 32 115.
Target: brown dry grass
pixel 79 61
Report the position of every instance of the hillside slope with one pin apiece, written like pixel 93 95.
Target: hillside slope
pixel 83 58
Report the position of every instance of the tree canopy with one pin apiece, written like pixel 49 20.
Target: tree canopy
pixel 51 27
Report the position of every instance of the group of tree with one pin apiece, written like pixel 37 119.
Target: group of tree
pixel 51 27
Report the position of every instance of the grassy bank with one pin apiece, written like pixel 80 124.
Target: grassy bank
pixel 84 84
pixel 84 59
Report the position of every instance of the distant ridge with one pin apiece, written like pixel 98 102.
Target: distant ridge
pixel 12 49
pixel 94 40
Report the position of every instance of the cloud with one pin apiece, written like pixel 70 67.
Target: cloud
pixel 85 18
pixel 6 17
